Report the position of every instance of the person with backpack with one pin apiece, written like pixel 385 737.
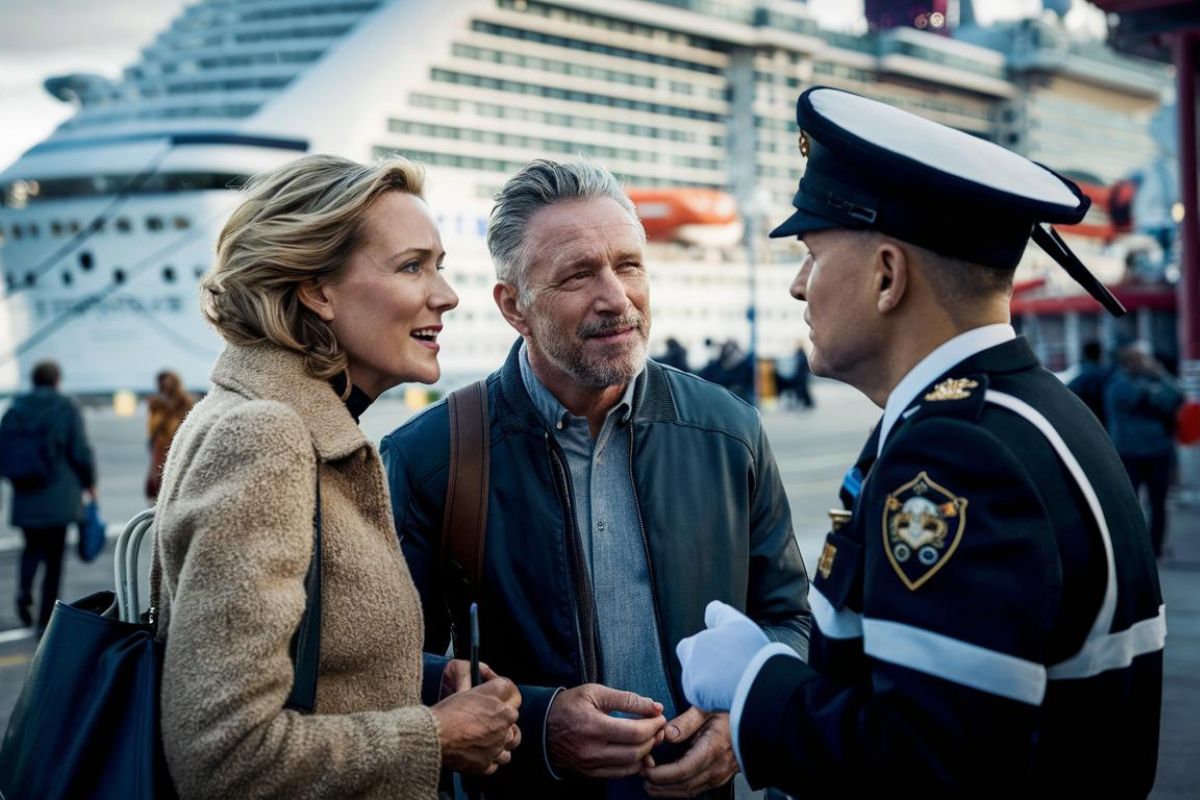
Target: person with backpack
pixel 1141 401
pixel 45 454
pixel 1093 376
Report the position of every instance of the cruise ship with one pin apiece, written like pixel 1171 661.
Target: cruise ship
pixel 107 226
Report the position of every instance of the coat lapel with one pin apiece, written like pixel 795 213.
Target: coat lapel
pixel 266 372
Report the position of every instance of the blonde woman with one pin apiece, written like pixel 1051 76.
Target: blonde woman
pixel 166 412
pixel 328 291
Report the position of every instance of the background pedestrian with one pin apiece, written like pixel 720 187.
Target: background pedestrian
pixel 1141 401
pixel 166 411
pixel 47 458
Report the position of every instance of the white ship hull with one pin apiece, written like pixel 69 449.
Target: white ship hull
pixel 665 93
pixel 120 305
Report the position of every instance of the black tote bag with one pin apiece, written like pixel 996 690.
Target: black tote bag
pixel 86 725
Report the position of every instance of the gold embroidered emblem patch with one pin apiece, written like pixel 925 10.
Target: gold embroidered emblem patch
pixel 923 523
pixel 804 146
pixel 825 564
pixel 952 389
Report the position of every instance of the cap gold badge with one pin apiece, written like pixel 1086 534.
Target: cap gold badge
pixel 804 144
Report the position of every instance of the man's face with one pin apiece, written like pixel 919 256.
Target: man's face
pixel 587 298
pixel 838 284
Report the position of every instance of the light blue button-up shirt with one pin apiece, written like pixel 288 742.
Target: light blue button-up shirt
pixel 610 529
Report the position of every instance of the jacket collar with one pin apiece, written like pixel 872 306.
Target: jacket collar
pixel 946 356
pixel 1011 356
pixel 267 372
pixel 652 401
pixel 1014 355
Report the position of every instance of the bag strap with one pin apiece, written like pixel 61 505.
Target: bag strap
pixel 464 518
pixel 306 641
pixel 305 647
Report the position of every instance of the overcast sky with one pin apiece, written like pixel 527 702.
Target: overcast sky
pixel 39 38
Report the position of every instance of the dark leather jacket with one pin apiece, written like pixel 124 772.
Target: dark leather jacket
pixel 716 526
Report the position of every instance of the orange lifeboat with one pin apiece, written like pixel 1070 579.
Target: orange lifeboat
pixel 1110 214
pixel 689 216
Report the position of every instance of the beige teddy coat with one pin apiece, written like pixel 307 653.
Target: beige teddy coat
pixel 235 535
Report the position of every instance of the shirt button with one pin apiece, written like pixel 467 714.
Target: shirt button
pixel 600 525
pixel 559 425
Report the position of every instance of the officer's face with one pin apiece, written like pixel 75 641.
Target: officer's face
pixel 836 281
pixel 587 305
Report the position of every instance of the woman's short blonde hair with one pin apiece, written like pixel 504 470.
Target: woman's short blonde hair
pixel 298 223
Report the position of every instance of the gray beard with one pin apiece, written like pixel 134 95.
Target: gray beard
pixel 564 352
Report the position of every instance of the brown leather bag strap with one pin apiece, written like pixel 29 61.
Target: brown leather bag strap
pixel 464 520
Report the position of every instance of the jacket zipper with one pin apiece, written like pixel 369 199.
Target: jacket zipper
pixel 662 636
pixel 585 610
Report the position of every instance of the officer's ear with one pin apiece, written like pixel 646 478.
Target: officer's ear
pixel 508 301
pixel 892 267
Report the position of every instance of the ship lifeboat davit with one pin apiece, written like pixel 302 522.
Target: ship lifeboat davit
pixel 702 217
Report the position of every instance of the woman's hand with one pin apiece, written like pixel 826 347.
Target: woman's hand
pixel 478 726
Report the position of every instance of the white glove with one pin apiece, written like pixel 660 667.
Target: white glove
pixel 714 660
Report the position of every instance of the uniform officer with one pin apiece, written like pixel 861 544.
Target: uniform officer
pixel 988 612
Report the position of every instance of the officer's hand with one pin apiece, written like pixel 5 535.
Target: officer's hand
pixel 456 677
pixel 714 660
pixel 582 737
pixel 707 764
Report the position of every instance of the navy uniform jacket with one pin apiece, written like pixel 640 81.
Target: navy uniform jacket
pixel 981 629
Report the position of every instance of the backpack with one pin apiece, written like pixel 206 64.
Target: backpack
pixel 25 457
pixel 1089 387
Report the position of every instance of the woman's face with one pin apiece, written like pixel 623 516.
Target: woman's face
pixel 386 306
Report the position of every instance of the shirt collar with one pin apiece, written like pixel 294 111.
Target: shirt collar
pixel 554 412
pixel 946 355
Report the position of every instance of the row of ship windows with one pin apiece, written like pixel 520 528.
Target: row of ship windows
pixel 198 41
pixel 151 68
pixel 501 165
pixel 168 274
pixel 551 65
pixel 733 11
pixel 570 95
pixel 776 79
pixel 537 37
pixel 606 23
pixel 949 60
pixel 764 171
pixel 154 224
pixel 843 71
pixel 918 103
pixel 579 70
pixel 21 193
pixel 201 17
pixel 549 145
pixel 270 82
pixel 561 120
pixel 231 110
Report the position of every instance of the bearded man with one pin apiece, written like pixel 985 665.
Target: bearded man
pixel 623 497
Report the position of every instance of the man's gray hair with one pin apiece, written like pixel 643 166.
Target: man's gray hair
pixel 542 183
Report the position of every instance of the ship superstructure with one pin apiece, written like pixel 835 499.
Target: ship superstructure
pixel 108 224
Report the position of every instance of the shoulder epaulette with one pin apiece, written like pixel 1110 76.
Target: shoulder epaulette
pixel 960 397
